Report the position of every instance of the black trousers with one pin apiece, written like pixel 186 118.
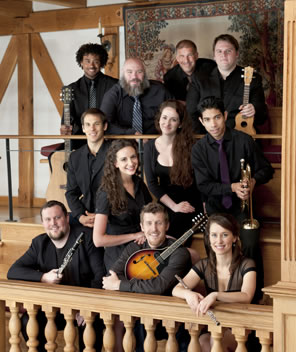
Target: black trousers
pixel 60 324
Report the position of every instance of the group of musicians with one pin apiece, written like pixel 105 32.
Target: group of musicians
pixel 113 206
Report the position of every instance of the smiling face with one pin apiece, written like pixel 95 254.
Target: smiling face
pixel 127 161
pixel 221 239
pixel 186 58
pixel 225 55
pixel 91 65
pixel 214 122
pixel 169 121
pixel 93 128
pixel 56 223
pixel 154 227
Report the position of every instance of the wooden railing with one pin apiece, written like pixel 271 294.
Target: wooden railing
pixel 149 308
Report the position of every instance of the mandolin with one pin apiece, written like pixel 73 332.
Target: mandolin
pixel 244 123
pixel 147 264
pixel 59 160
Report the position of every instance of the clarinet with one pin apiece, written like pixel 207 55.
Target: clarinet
pixel 69 255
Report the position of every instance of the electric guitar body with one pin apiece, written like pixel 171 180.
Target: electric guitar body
pixel 147 264
pixel 244 123
pixel 57 185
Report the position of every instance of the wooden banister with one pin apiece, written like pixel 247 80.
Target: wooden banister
pixel 128 306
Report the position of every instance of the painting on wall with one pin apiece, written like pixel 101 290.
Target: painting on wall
pixel 152 32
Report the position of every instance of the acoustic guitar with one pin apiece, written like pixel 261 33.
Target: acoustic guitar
pixel 59 160
pixel 147 264
pixel 244 123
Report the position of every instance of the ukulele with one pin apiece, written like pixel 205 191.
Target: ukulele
pixel 244 123
pixel 147 264
pixel 59 160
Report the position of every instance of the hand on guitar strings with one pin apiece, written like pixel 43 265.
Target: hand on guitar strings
pixel 247 110
pixel 66 130
pixel 111 282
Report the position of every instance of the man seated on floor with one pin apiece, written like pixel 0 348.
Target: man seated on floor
pixel 41 261
pixel 154 224
pixel 85 168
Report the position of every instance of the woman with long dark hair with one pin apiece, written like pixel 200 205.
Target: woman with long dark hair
pixel 227 275
pixel 167 165
pixel 120 198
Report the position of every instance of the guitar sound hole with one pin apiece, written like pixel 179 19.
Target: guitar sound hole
pixel 244 124
pixel 65 167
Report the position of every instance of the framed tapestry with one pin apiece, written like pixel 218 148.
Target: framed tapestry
pixel 152 32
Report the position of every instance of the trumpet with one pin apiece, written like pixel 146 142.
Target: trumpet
pixel 249 223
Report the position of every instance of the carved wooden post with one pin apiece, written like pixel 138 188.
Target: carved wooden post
pixel 241 336
pixel 150 343
pixel 194 345
pixel 32 326
pixel 129 340
pixel 171 345
pixel 217 335
pixel 109 336
pixel 70 330
pixel 89 335
pixel 265 339
pixel 50 328
pixel 2 326
pixel 284 292
pixel 14 327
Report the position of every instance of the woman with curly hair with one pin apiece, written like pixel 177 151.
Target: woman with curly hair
pixel 168 170
pixel 227 275
pixel 120 198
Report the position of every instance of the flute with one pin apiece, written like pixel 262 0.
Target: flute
pixel 209 312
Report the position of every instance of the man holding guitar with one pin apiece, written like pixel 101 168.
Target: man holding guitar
pixel 225 82
pixel 149 276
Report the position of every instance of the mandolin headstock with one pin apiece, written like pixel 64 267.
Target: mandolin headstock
pixel 199 222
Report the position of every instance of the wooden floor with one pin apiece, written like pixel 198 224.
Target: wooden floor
pixel 24 215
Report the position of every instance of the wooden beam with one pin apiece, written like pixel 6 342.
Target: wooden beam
pixel 7 66
pixel 66 3
pixel 15 8
pixel 47 69
pixel 25 120
pixel 60 20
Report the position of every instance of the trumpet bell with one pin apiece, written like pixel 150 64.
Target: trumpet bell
pixel 249 224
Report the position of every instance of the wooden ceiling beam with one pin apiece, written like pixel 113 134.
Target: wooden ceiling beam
pixel 15 8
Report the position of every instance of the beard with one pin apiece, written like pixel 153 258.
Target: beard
pixel 57 237
pixel 134 90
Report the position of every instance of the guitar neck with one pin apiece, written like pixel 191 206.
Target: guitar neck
pixel 246 94
pixel 67 123
pixel 165 254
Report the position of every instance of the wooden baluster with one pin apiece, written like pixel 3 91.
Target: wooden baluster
pixel 50 328
pixel 129 340
pixel 265 338
pixel 150 343
pixel 241 337
pixel 2 326
pixel 89 335
pixel 32 326
pixel 14 327
pixel 70 330
pixel 217 335
pixel 171 345
pixel 193 329
pixel 109 335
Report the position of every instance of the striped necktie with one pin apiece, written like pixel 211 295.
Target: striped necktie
pixel 137 116
pixel 224 172
pixel 92 95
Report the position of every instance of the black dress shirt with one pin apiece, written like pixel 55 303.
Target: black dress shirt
pixel 80 102
pixel 126 222
pixel 205 160
pixel 86 268
pixel 84 178
pixel 176 80
pixel 118 106
pixel 230 90
pixel 178 262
